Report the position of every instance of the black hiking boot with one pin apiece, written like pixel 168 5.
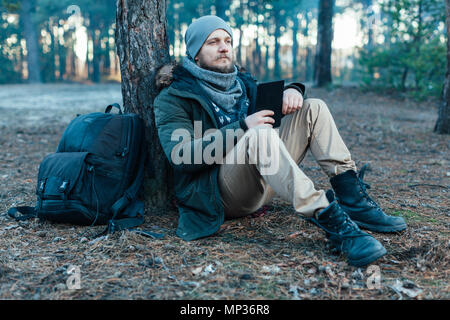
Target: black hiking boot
pixel 352 196
pixel 345 236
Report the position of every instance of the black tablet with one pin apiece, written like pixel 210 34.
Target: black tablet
pixel 269 96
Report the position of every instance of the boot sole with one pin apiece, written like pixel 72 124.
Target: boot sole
pixel 383 229
pixel 367 260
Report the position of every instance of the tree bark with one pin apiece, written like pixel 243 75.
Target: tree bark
pixel 143 47
pixel 322 65
pixel 443 122
pixel 33 63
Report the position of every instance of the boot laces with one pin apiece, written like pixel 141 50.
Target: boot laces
pixel 340 225
pixel 365 186
pixel 343 225
pixel 346 230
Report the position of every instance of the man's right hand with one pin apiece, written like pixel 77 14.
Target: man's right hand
pixel 260 118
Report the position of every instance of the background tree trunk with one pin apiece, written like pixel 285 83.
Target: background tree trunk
pixel 307 64
pixel 29 29
pixel 368 21
pixel 276 54
pixel 240 26
pixel 62 56
pixel 143 47
pixel 294 47
pixel 443 121
pixel 96 57
pixel 106 70
pixel 50 65
pixel 322 65
pixel 258 60
pixel 221 7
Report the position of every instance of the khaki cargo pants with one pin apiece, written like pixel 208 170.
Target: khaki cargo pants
pixel 247 186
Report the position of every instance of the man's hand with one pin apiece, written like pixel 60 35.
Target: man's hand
pixel 292 101
pixel 260 117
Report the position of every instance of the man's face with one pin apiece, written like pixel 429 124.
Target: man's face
pixel 216 53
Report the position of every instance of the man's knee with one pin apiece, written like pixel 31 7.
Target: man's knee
pixel 315 104
pixel 317 107
pixel 255 140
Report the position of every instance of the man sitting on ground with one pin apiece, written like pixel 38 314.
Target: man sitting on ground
pixel 208 89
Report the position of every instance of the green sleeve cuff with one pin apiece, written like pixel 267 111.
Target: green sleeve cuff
pixel 298 86
pixel 243 124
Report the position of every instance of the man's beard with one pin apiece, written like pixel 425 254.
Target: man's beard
pixel 222 69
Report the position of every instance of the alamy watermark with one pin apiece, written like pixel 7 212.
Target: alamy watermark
pixel 374 279
pixel 75 15
pixel 74 280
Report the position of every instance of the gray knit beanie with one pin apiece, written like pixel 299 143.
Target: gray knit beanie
pixel 199 31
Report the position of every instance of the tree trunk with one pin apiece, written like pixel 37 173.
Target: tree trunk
pixel 369 21
pixel 96 56
pixel 88 48
pixel 62 56
pixel 266 62
pixel 322 65
pixel 106 70
pixel 240 11
pixel 221 7
pixel 307 60
pixel 258 57
pixel 50 69
pixel 143 47
pixel 239 48
pixel 294 47
pixel 443 121
pixel 276 55
pixel 386 15
pixel 33 63
pixel 73 62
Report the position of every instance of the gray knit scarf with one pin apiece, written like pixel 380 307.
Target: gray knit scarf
pixel 223 89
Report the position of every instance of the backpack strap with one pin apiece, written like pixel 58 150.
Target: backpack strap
pixel 136 207
pixel 131 207
pixel 136 213
pixel 25 213
pixel 115 105
pixel 130 194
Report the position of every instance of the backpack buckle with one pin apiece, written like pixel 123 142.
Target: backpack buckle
pixel 41 187
pixel 63 186
pixel 111 226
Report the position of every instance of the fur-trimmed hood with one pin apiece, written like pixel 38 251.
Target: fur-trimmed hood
pixel 167 73
pixel 164 76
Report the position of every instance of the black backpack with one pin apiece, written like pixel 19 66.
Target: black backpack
pixel 95 174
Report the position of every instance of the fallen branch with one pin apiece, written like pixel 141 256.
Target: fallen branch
pixel 427 185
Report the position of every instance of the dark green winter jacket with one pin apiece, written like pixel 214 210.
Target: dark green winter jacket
pixel 178 105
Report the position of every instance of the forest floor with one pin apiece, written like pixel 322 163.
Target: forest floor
pixel 273 254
